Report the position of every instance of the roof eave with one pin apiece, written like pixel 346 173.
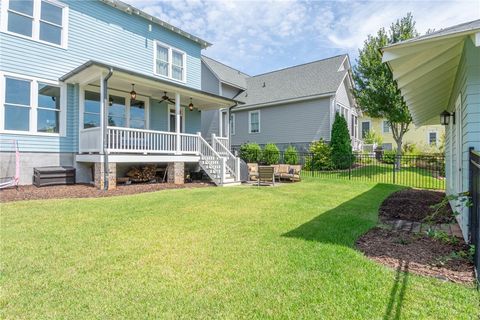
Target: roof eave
pixel 93 63
pixel 120 5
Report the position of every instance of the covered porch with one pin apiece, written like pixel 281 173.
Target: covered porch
pixel 126 117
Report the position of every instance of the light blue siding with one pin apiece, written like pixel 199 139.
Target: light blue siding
pixel 96 32
pixel 158 115
pixel 192 121
pixel 102 33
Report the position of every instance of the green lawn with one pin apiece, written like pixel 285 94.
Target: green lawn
pixel 383 173
pixel 246 252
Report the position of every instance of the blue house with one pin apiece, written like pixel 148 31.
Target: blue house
pixel 102 86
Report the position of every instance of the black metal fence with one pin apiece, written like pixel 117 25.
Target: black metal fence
pixel 474 191
pixel 419 171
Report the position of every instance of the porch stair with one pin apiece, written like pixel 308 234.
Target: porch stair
pixel 215 165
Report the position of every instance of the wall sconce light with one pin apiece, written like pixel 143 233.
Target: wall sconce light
pixel 133 94
pixel 445 118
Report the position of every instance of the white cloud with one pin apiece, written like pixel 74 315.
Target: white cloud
pixel 258 36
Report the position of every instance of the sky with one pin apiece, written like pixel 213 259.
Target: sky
pixel 260 36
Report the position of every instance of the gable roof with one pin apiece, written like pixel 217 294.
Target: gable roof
pixel 120 5
pixel 314 79
pixel 226 74
pixel 467 27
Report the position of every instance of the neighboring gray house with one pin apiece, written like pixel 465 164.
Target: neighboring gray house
pixel 292 106
pixel 220 79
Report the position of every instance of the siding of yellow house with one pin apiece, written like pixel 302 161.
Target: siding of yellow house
pixel 419 136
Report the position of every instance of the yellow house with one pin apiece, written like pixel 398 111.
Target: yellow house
pixel 424 137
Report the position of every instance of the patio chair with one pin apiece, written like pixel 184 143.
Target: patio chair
pixel 266 174
pixel 252 171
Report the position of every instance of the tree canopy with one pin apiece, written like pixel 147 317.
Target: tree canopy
pixel 375 90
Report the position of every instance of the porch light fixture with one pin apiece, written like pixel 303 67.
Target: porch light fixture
pixel 110 101
pixel 133 94
pixel 190 106
pixel 445 118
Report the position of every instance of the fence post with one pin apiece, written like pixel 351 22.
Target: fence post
pixel 394 167
pixel 350 171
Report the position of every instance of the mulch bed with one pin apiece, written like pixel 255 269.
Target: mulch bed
pixel 86 191
pixel 415 205
pixel 417 253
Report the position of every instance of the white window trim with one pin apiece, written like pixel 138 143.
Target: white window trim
pixel 117 93
pixel 232 124
pixel 34 105
pixel 383 127
pixel 182 115
pixel 36 23
pixel 361 127
pixel 436 137
pixel 170 49
pixel 250 122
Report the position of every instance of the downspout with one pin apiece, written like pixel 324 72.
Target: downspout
pixel 106 170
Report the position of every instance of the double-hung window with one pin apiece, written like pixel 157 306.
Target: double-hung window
pixel 31 106
pixel 432 138
pixel 386 126
pixel 170 62
pixel 48 109
pixel 254 121
pixel 232 124
pixel 41 20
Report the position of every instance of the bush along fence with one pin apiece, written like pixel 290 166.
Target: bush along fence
pixel 418 171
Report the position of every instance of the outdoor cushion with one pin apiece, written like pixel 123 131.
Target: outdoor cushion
pixel 283 168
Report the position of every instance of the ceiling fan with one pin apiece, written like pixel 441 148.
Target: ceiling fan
pixel 167 98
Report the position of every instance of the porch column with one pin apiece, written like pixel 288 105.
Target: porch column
pixel 177 122
pixel 102 112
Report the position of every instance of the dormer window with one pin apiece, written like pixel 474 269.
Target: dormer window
pixel 170 62
pixel 40 20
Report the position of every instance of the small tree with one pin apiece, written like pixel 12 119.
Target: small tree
pixel 342 154
pixel 321 158
pixel 251 152
pixel 376 92
pixel 291 155
pixel 271 154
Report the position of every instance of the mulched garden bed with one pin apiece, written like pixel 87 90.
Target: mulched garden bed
pixel 415 205
pixel 418 253
pixel 86 191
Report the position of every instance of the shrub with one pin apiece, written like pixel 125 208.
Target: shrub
pixel 342 154
pixel 321 156
pixel 271 154
pixel 250 152
pixel 291 155
pixel 389 156
pixel 371 137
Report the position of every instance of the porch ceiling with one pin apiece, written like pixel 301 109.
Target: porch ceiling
pixel 154 87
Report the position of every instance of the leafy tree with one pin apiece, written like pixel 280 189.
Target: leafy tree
pixel 271 154
pixel 250 152
pixel 342 154
pixel 291 155
pixel 375 90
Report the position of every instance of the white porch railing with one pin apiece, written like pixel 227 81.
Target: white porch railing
pixel 128 140
pixel 232 162
pixel 224 141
